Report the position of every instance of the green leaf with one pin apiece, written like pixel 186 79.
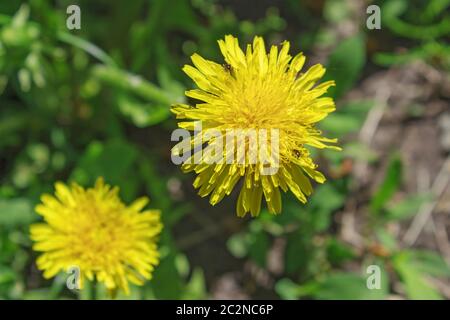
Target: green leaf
pixel 345 65
pixel 386 239
pixel 112 161
pixel 131 83
pixel 156 187
pixel 287 289
pixel 18 32
pixel 16 212
pixel 434 8
pixel 389 186
pixel 338 252
pixel 429 51
pixel 416 286
pixel 3 78
pixel 7 275
pixel 429 262
pixel 407 207
pixel 258 247
pixel 359 151
pixel 21 16
pixel 324 202
pixel 391 18
pixel 142 114
pixel 24 77
pixel 196 287
pixel 340 124
pixel 143 102
pixel 347 118
pixel 237 245
pixel 348 286
pixel 182 265
pixel 299 252
pixel 166 282
pixel 37 294
pixel 86 46
pixel 336 10
pixel 57 287
pixel 171 86
pixel 10 125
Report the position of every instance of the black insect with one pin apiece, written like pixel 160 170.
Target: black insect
pixel 227 67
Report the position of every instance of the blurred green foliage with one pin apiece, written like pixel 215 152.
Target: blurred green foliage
pixel 75 105
pixel 428 23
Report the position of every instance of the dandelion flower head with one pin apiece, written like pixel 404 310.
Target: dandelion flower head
pixel 256 90
pixel 93 230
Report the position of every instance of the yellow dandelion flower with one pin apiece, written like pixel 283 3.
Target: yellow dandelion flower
pixel 255 90
pixel 94 231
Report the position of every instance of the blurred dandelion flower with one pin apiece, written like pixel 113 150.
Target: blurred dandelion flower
pixel 256 90
pixel 95 231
